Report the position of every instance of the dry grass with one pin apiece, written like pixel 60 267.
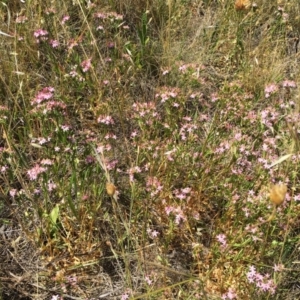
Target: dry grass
pixel 139 143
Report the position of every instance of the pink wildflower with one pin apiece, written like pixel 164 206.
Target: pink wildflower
pixel 13 192
pixel 152 233
pixel 270 89
pixel 100 27
pixel 86 65
pixel 21 19
pixel 51 186
pixel 40 33
pixel 148 280
pixel 182 68
pixel 222 240
pixel 46 162
pixel 3 169
pixel 169 209
pixel 179 216
pixel 263 282
pixel 165 72
pixel 54 43
pixel 105 120
pixel 289 83
pixel 35 171
pixel 229 295
pixel 45 94
pixel 65 19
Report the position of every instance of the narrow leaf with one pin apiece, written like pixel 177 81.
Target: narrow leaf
pixel 280 160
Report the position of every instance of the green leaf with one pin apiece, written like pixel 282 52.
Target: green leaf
pixel 280 160
pixel 54 214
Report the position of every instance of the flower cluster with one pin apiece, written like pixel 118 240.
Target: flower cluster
pixel 45 94
pixel 41 35
pixel 230 295
pixel 167 93
pixel 177 212
pixel 42 101
pixel 105 119
pixel 153 185
pixel 145 110
pixel 35 171
pixel 109 15
pixel 262 282
pixel 86 65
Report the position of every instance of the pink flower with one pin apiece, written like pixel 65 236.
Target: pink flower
pixel 51 186
pixel 169 209
pixel 289 83
pixel 148 280
pixel 100 27
pixel 65 128
pixel 65 19
pixel 35 171
pixel 40 33
pixel 132 171
pixel 229 295
pixel 179 216
pixel 222 240
pixel 183 68
pixel 54 43
pixel 45 94
pixel 263 282
pixel 181 196
pixel 46 162
pixel 86 65
pixel 297 197
pixel 251 273
pixel 165 72
pixel 270 89
pixel 3 169
pixel 152 233
pixel 21 19
pixel 105 120
pixel 124 297
pixel 186 190
pixel 214 97
pixel 13 193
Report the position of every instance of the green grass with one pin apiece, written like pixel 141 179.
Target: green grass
pixel 139 144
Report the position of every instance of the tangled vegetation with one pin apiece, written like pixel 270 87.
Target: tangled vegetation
pixel 149 149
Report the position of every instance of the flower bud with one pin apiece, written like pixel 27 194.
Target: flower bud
pixel 278 193
pixel 110 188
pixel 242 4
